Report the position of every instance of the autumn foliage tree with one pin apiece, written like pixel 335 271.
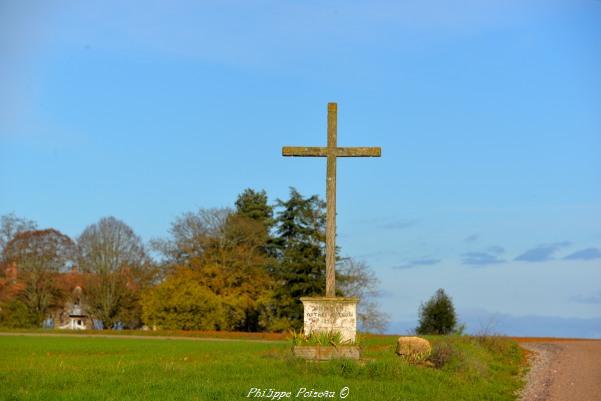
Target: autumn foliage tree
pixel 225 250
pixel 238 273
pixel 181 302
pixel 259 260
pixel 241 269
pixel 40 255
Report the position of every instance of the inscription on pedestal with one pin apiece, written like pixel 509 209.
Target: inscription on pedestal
pixel 331 315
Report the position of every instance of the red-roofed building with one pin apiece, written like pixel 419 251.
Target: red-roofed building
pixel 71 315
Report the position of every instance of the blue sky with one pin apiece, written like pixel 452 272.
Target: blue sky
pixel 488 115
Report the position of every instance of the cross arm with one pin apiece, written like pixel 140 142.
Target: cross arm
pixel 315 151
pixel 359 152
pixel 304 151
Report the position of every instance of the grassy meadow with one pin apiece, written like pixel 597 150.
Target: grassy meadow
pixel 100 368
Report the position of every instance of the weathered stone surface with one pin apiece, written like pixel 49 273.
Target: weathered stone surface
pixel 413 348
pixel 325 314
pixel 317 151
pixel 324 353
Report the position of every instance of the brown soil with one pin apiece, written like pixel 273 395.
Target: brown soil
pixel 563 370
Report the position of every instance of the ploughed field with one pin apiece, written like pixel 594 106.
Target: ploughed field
pixel 75 367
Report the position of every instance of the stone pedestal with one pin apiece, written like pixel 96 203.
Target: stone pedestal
pixel 325 353
pixel 325 314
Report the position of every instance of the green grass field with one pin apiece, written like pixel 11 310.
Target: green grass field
pixel 120 369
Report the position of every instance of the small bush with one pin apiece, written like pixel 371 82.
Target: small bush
pixel 490 339
pixel 442 353
pixel 494 343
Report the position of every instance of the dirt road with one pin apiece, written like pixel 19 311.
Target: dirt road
pixel 564 370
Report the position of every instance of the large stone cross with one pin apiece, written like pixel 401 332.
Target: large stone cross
pixel 332 151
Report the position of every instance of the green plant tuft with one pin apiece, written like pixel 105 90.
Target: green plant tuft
pixel 324 338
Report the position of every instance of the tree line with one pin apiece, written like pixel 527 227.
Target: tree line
pixel 242 268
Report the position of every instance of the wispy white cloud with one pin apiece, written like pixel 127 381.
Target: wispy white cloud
pixel 480 259
pixel 584 254
pixel 542 252
pixel 418 262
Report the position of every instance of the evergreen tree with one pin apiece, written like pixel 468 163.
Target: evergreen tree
pixel 437 315
pixel 253 204
pixel 300 225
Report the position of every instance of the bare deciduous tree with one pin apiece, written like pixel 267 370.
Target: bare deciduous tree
pixel 115 257
pixel 108 246
pixel 11 225
pixel 356 279
pixel 191 234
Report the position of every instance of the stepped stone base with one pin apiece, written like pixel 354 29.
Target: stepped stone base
pixel 325 353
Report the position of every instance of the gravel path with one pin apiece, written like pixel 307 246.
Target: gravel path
pixel 564 371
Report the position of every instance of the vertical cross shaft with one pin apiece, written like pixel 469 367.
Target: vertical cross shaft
pixel 331 202
pixel 332 151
